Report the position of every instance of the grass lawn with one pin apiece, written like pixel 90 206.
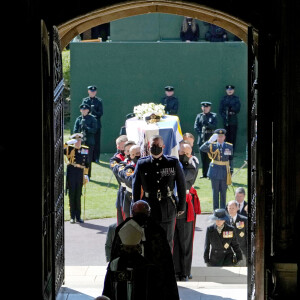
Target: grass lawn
pixel 101 191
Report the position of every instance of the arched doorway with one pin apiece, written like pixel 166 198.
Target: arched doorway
pixel 70 29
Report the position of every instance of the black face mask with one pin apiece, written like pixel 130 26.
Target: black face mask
pixel 156 150
pixel 136 158
pixel 121 152
pixel 184 159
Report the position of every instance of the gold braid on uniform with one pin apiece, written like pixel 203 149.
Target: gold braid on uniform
pixel 213 154
pixel 70 156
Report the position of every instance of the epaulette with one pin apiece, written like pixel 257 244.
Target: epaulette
pixel 228 143
pixel 129 172
pixel 84 146
pixel 213 113
pixel 144 157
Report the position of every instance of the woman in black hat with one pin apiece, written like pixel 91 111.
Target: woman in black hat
pixel 221 246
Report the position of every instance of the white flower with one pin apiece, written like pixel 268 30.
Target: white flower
pixel 147 108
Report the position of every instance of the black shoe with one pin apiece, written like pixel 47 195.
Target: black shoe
pixel 203 177
pixel 184 278
pixel 178 278
pixel 72 221
pixel 97 161
pixel 79 221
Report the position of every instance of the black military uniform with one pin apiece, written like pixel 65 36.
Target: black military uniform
pixel 77 167
pixel 97 111
pixel 242 210
pixel 126 174
pixel 115 162
pixel 87 125
pixel 184 228
pixel 155 179
pixel 171 103
pixel 241 226
pixel 204 125
pixel 229 108
pixel 220 246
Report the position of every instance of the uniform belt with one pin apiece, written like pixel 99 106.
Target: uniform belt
pixel 123 184
pixel 158 195
pixel 224 163
pixel 77 166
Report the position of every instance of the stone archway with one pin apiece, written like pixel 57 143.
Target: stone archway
pixel 70 29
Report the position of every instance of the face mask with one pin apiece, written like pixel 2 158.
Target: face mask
pixel 156 150
pixel 183 159
pixel 136 158
pixel 121 152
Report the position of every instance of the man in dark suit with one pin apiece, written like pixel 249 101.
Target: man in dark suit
pixel 241 226
pixel 242 204
pixel 221 242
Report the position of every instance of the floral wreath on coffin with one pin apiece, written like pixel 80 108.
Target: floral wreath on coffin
pixel 150 112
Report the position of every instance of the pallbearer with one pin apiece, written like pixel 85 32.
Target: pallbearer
pixel 185 224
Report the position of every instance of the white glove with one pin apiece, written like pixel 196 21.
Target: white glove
pixel 86 177
pixel 213 138
pixel 73 141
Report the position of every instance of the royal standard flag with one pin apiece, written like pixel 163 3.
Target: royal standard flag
pixel 168 127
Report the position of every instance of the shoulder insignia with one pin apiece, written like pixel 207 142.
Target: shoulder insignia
pixel 113 164
pixel 84 146
pixel 129 172
pixel 228 143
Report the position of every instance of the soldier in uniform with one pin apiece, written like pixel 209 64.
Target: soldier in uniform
pixel 240 199
pixel 97 111
pixel 230 106
pixel 220 167
pixel 240 223
pixel 184 228
pixel 87 125
pixel 117 170
pixel 170 101
pixel 125 175
pixel 221 246
pixel 118 157
pixel 155 177
pixel 76 175
pixel 205 124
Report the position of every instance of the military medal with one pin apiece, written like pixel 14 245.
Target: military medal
pixel 242 234
pixel 227 234
pixel 227 151
pixel 226 245
pixel 240 225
